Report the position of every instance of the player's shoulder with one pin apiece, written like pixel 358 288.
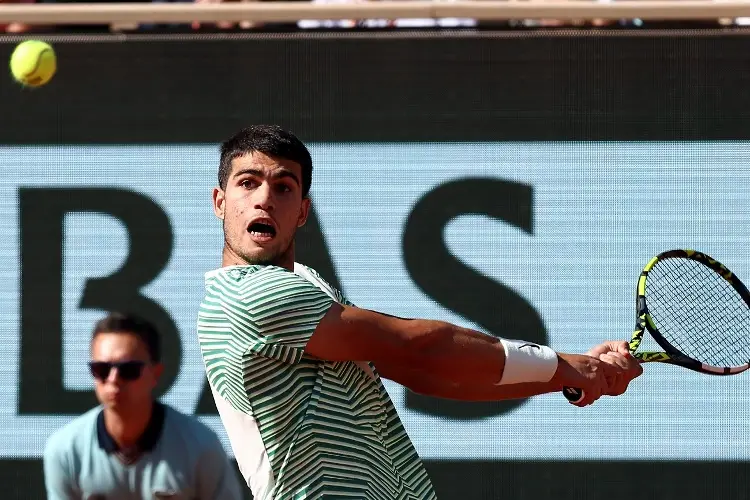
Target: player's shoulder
pixel 314 277
pixel 303 270
pixel 74 437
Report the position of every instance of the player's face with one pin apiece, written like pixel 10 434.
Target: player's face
pixel 262 207
pixel 124 376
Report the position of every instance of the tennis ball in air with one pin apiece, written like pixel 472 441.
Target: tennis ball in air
pixel 33 63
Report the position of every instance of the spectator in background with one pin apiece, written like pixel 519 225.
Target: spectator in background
pixel 133 446
pixel 341 23
pixel 224 25
pixel 384 23
pixel 15 27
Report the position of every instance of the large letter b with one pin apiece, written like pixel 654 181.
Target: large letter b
pixel 42 214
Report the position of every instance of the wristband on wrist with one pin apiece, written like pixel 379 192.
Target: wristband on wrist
pixel 527 362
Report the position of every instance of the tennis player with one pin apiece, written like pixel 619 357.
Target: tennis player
pixel 132 446
pixel 296 370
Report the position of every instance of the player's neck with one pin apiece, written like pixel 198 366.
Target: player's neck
pixel 126 429
pixel 286 260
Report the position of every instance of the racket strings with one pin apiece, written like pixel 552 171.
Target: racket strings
pixel 698 312
pixel 718 331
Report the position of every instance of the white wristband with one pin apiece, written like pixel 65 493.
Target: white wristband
pixel 527 362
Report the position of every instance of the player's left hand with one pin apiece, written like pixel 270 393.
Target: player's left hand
pixel 616 352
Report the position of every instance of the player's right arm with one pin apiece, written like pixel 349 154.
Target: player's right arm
pixel 278 315
pixel 460 363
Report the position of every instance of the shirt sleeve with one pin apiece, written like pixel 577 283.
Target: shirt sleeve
pixel 274 312
pixel 58 481
pixel 217 477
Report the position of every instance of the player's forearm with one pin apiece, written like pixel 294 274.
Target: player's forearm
pixel 453 354
pixel 476 366
pixel 425 384
pixel 494 392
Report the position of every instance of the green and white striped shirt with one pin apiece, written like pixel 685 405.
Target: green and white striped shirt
pixel 300 428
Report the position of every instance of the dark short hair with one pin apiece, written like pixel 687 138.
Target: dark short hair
pixel 117 322
pixel 271 140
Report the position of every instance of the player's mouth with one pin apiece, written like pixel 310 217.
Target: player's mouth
pixel 262 230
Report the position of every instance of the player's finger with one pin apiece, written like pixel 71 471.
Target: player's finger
pixel 616 385
pixel 615 359
pixel 631 367
pixel 610 365
pixel 596 386
pixel 622 347
pixel 591 392
pixel 618 382
pixel 631 370
pixel 595 393
pixel 635 368
pixel 607 347
pixel 618 346
pixel 590 398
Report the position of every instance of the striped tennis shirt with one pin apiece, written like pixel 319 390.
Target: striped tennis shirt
pixel 300 428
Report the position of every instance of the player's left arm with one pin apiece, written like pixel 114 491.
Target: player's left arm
pixel 419 382
pixel 423 383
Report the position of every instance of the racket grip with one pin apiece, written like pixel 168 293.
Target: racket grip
pixel 572 394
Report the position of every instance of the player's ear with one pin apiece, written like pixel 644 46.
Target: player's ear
pixel 304 211
pixel 219 202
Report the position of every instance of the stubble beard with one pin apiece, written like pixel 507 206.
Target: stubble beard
pixel 264 258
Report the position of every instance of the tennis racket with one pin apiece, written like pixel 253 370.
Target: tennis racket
pixel 696 310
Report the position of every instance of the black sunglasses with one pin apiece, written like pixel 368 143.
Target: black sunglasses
pixel 126 370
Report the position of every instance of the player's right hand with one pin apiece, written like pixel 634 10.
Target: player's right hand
pixel 587 373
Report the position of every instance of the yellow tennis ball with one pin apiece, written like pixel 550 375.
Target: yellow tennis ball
pixel 33 63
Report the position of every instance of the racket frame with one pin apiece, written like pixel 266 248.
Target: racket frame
pixel 644 320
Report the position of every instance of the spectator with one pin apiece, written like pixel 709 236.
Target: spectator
pixel 133 446
pixel 225 25
pixel 15 27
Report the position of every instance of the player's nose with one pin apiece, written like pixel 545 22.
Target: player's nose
pixel 263 197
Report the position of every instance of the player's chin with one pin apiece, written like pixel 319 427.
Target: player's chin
pixel 261 255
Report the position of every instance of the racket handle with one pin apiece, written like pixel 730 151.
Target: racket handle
pixel 572 394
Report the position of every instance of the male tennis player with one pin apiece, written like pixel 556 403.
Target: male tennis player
pixel 295 369
pixel 133 446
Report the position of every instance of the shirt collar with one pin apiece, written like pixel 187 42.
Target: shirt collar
pixel 146 442
pixel 212 274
